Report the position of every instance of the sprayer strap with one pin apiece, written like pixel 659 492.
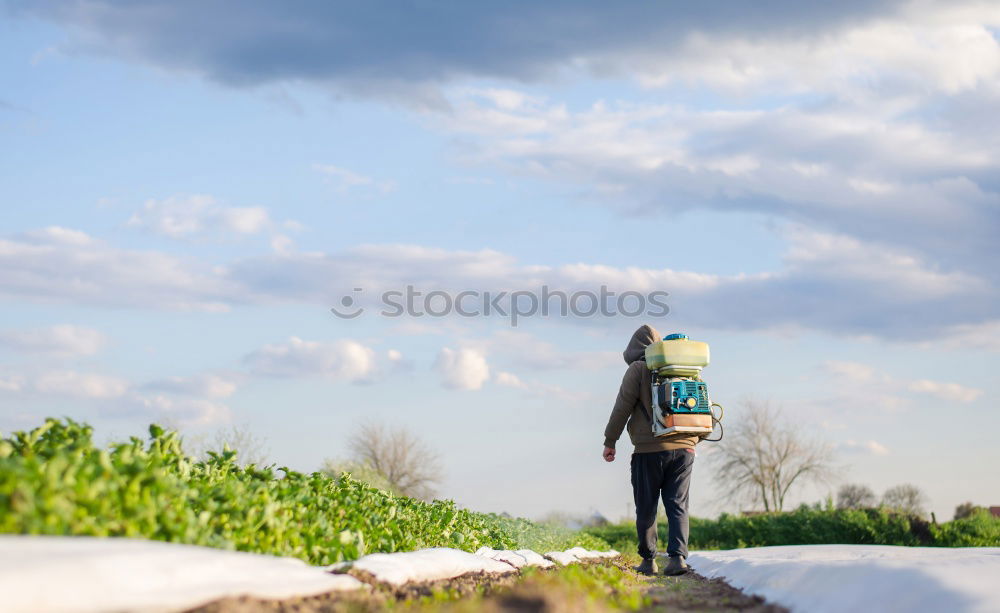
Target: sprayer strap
pixel 642 408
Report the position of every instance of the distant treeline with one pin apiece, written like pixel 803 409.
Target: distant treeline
pixel 811 526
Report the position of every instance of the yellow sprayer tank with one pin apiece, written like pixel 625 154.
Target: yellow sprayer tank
pixel 677 355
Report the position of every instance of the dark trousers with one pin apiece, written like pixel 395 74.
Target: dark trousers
pixel 666 474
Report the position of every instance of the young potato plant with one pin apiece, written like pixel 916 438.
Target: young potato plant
pixel 53 480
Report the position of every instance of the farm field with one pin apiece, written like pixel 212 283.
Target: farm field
pixel 393 552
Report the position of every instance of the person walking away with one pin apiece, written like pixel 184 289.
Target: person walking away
pixel 661 466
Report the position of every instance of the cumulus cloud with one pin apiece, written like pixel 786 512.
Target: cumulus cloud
pixel 343 359
pixel 508 379
pixel 62 265
pixel 549 391
pixel 462 369
pixel 187 216
pixel 851 371
pixel 947 391
pixel 882 387
pixel 883 176
pixel 58 340
pixel 530 352
pixel 829 282
pixel 79 385
pixel 182 411
pixel 206 385
pixel 344 180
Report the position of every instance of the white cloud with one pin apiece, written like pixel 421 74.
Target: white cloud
pixel 11 383
pixel 551 392
pixel 508 379
pixel 530 352
pixel 984 336
pixel 176 400
pixel 207 385
pixel 345 180
pixel 79 385
pixel 61 265
pixel 926 49
pixel 860 168
pixel 342 359
pixel 185 216
pixel 828 282
pixel 851 371
pixel 462 369
pixel 60 340
pixel 884 390
pixel 947 391
pixel 282 244
pixel 870 447
pixel 182 411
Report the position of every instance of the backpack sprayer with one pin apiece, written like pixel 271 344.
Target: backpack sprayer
pixel 681 404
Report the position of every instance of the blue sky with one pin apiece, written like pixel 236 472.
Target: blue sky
pixel 187 191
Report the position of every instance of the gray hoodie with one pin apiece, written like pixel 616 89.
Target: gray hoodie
pixel 634 403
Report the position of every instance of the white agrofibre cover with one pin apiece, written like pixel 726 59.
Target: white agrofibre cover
pixel 39 574
pixel 578 554
pixel 427 565
pixel 842 578
pixel 517 558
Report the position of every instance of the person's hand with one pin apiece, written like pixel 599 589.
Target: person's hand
pixel 609 454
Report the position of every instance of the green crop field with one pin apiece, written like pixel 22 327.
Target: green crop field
pixel 53 480
pixel 811 526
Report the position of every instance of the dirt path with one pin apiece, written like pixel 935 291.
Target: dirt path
pixel 692 592
pixel 508 594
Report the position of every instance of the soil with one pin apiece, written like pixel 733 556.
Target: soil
pixel 692 592
pixel 506 594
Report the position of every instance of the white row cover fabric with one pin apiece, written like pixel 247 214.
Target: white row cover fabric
pixel 517 558
pixel 427 565
pixel 851 578
pixel 41 574
pixel 562 557
pixel 587 554
pixel 578 554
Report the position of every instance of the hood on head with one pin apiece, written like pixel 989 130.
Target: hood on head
pixel 636 349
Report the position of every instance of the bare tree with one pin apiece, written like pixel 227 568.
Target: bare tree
pixel 856 496
pixel 906 498
pixel 249 448
pixel 359 472
pixel 408 465
pixel 763 456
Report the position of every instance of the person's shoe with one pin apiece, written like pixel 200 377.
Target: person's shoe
pixel 647 567
pixel 676 566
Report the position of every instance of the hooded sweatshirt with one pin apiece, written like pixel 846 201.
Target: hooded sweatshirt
pixel 634 404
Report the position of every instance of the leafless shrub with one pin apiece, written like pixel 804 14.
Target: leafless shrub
pixel 907 498
pixel 394 457
pixel 856 496
pixel 764 455
pixel 249 448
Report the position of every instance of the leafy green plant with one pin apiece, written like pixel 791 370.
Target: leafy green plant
pixel 53 480
pixel 808 526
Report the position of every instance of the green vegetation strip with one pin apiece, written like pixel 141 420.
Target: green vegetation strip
pixel 53 480
pixel 811 526
pixel 595 586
